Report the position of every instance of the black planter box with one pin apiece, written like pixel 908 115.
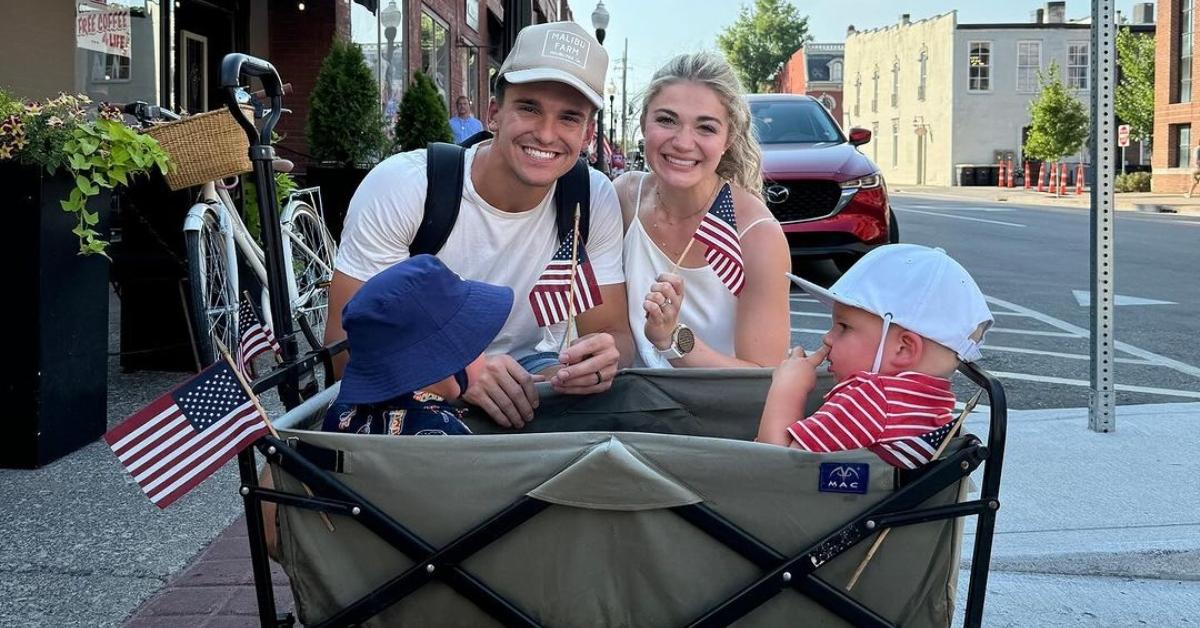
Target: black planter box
pixel 338 185
pixel 55 379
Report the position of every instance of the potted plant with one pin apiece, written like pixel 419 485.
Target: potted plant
pixel 58 164
pixel 345 129
pixel 423 117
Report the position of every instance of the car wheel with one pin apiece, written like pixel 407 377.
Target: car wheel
pixel 893 229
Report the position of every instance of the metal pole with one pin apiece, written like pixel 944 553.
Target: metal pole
pixel 1102 401
pixel 624 97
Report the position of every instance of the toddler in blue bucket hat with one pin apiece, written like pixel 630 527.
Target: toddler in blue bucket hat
pixel 412 330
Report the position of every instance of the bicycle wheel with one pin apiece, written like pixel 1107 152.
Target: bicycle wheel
pixel 213 286
pixel 311 251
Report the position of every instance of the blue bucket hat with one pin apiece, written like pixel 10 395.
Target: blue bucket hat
pixel 416 324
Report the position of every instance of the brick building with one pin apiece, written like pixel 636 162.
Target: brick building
pixel 176 48
pixel 815 70
pixel 1176 109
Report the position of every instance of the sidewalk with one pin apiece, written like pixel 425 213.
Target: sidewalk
pixel 1126 201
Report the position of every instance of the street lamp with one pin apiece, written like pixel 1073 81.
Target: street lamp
pixel 390 17
pixel 600 23
pixel 612 120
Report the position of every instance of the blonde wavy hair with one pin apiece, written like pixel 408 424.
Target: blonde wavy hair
pixel 742 161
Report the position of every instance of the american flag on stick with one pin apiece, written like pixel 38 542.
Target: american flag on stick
pixel 552 293
pixel 256 338
pixel 718 231
pixel 181 438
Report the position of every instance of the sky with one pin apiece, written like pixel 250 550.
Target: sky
pixel 659 29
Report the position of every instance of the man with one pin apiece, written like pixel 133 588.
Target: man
pixel 547 94
pixel 1195 170
pixel 464 124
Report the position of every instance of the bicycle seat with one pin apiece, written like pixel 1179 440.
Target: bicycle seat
pixel 283 165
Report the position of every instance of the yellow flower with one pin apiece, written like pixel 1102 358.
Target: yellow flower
pixel 33 107
pixel 54 121
pixel 5 152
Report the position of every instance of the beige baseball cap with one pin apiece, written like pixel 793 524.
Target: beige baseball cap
pixel 558 51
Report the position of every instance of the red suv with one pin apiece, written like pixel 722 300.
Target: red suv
pixel 829 197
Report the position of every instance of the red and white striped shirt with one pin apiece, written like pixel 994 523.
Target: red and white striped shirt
pixel 901 418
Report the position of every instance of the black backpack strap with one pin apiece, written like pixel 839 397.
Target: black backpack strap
pixel 575 187
pixel 477 138
pixel 443 195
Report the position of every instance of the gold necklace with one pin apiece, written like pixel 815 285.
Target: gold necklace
pixel 662 206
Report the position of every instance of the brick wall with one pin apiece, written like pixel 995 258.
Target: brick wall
pixel 453 14
pixel 790 79
pixel 299 42
pixel 1166 178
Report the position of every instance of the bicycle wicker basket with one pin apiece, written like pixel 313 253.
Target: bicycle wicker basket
pixel 204 147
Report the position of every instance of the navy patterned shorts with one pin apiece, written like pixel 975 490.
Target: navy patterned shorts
pixel 413 414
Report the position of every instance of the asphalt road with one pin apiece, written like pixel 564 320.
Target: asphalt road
pixel 1030 261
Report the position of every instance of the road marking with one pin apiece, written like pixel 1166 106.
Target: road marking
pixel 1059 354
pixel 804 299
pixel 1161 360
pixel 993 222
pixel 1170 392
pixel 1022 314
pixel 806 330
pixel 959 208
pixel 1031 332
pixel 814 314
pixel 1084 298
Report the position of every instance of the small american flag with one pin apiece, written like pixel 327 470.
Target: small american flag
pixel 181 438
pixel 901 418
pixel 552 292
pixel 718 231
pixel 256 338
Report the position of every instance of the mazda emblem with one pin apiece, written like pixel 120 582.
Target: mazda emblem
pixel 777 194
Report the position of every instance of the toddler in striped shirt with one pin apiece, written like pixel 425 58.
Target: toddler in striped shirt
pixel 903 318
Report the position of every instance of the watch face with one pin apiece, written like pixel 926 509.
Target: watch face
pixel 685 339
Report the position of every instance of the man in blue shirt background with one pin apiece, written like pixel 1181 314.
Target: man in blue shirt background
pixel 464 124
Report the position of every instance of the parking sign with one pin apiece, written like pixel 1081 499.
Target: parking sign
pixel 1123 135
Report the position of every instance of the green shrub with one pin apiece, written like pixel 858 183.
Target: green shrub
pixel 1133 182
pixel 345 125
pixel 422 117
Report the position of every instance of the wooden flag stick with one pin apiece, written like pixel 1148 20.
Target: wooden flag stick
pixel 571 288
pixel 675 266
pixel 265 417
pixel 962 417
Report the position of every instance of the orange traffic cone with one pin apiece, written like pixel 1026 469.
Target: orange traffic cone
pixel 1053 178
pixel 1000 179
pixel 1041 177
pixel 1079 179
pixel 1062 178
pixel 1010 173
pixel 1028 182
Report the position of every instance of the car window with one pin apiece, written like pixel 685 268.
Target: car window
pixel 793 121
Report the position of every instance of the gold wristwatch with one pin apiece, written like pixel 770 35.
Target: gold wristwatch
pixel 683 340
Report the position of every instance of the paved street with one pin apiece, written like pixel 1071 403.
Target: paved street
pixel 1032 263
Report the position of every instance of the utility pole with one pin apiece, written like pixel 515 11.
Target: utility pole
pixel 624 96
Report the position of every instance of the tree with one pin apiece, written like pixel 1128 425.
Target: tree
pixel 1059 125
pixel 344 122
pixel 422 117
pixel 1135 89
pixel 761 39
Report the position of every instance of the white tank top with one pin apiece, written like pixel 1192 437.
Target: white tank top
pixel 709 308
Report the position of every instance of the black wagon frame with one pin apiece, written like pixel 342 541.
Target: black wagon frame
pixel 316 468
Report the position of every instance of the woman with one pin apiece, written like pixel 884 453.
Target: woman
pixel 702 156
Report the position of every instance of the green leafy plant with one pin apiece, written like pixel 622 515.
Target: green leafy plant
pixel 345 125
pixel 1133 182
pixel 97 152
pixel 1059 123
pixel 284 186
pixel 761 39
pixel 422 117
pixel 1134 98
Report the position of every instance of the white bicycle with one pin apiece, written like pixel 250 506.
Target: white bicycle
pixel 217 238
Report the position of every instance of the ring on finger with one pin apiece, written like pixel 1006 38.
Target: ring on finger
pixel 599 378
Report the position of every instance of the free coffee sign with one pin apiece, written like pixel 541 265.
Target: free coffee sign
pixel 102 27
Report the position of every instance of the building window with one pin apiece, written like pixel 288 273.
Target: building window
pixel 1077 65
pixel 1181 145
pixel 875 90
pixel 875 144
pixel 979 66
pixel 896 83
pixel 923 73
pixel 857 93
pixel 435 53
pixel 470 74
pixel 835 71
pixel 472 15
pixel 1029 63
pixel 1183 89
pixel 895 142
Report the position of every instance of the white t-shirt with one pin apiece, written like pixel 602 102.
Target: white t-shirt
pixel 486 244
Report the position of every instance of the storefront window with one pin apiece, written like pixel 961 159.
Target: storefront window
pixel 117 51
pixel 380 34
pixel 470 74
pixel 435 54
